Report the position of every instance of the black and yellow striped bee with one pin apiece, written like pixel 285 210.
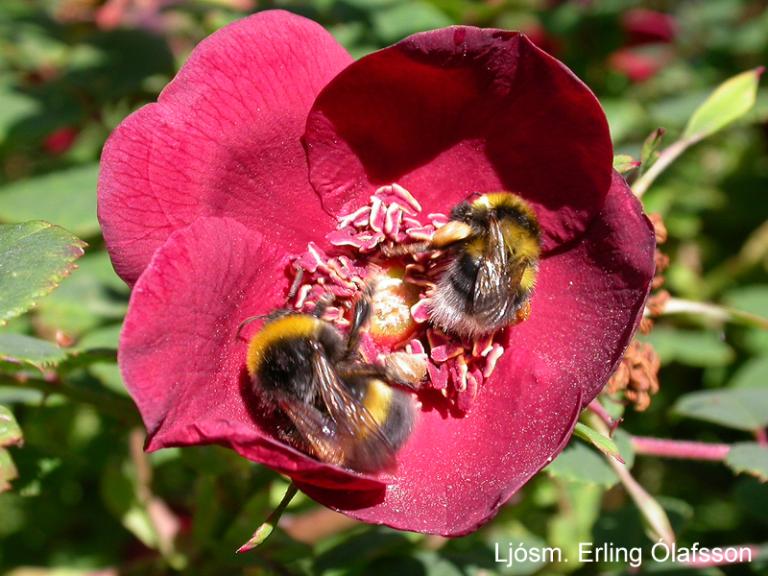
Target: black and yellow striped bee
pixel 494 246
pixel 335 407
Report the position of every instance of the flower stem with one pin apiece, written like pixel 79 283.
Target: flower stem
pixel 651 510
pixel 599 410
pixel 666 158
pixel 682 449
pixel 263 531
pixel 713 312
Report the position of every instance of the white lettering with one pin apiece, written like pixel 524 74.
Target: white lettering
pixel 660 551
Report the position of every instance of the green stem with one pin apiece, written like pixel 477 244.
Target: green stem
pixel 714 312
pixel 263 531
pixel 666 158
pixel 654 514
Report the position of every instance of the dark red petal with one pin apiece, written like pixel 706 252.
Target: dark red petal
pixel 223 140
pixel 455 473
pixel 461 110
pixel 180 354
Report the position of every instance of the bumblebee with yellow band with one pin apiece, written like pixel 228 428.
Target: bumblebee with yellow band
pixel 494 243
pixel 338 408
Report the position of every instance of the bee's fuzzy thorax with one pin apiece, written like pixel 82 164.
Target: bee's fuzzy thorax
pixel 294 326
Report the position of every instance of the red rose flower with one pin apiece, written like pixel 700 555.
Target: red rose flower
pixel 648 46
pixel 268 134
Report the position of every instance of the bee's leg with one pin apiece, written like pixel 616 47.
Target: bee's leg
pixel 400 368
pixel 405 369
pixel 361 313
pixel 523 312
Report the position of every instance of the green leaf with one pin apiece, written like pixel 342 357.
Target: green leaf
pixel 691 347
pixel 86 300
pixel 8 470
pixel 649 153
pixel 752 374
pixel 731 100
pixel 34 258
pixel 625 117
pixel 10 433
pixel 578 463
pixel 752 299
pixel 749 458
pixel 398 21
pixel 738 408
pixel 572 525
pixel 624 163
pixel 67 198
pixel 14 107
pixel 603 443
pixel 19 348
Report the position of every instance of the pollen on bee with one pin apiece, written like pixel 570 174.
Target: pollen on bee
pixel 360 254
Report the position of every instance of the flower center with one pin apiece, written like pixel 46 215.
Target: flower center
pixel 391 320
pixel 361 255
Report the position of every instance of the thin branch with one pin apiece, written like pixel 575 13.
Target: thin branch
pixel 681 449
pixel 712 312
pixel 666 158
pixel 263 531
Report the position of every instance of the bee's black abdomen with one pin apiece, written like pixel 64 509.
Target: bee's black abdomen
pixel 463 275
pixel 399 423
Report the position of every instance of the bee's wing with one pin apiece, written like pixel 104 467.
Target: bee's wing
pixel 316 429
pixel 358 431
pixel 497 276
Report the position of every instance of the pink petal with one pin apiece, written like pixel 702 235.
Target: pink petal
pixel 461 110
pixel 222 140
pixel 182 359
pixel 455 473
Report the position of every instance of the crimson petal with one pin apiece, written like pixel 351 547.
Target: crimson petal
pixel 182 359
pixel 454 474
pixel 222 140
pixel 461 110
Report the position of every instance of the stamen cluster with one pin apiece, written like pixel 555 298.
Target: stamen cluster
pixel 362 244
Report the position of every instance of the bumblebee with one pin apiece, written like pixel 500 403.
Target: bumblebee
pixel 493 243
pixel 333 405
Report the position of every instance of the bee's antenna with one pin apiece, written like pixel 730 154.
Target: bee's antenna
pixel 247 321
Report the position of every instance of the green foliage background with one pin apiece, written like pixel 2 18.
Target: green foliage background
pixel 82 498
